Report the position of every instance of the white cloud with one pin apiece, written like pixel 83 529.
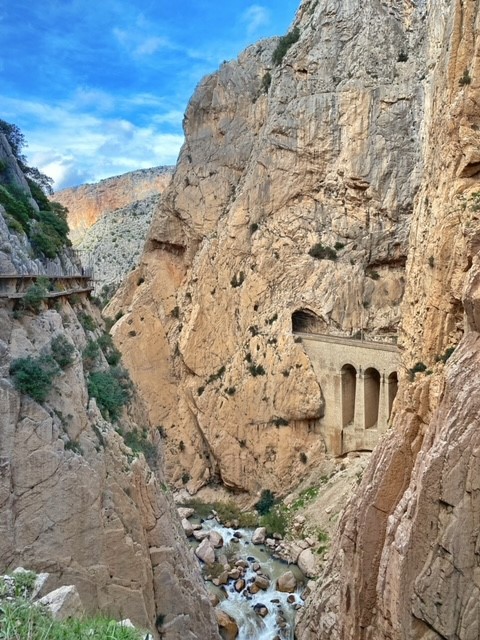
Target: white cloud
pixel 74 146
pixel 150 46
pixel 138 42
pixel 255 17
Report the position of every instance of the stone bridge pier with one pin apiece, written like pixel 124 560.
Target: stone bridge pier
pixel 359 382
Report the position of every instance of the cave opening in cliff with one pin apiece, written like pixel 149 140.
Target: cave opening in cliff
pixel 349 390
pixel 371 386
pixel 392 390
pixel 305 321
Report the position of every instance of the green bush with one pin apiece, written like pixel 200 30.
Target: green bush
pixel 284 45
pixel 256 370
pixel 443 358
pixel 112 390
pixel 266 81
pixel 266 502
pixel 87 322
pixel 21 620
pixel 90 354
pixel 23 582
pixel 419 367
pixel 322 253
pixel 275 521
pixel 465 79
pixel 17 205
pixel 34 297
pixel 34 376
pixel 226 512
pixel 62 351
pixel 139 443
pixel 49 235
pixel 73 445
pixel 111 353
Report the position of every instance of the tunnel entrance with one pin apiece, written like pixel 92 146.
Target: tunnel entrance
pixel 306 321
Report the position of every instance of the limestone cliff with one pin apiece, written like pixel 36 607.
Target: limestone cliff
pixel 114 243
pixel 405 563
pixel 89 202
pixel 293 191
pixel 75 500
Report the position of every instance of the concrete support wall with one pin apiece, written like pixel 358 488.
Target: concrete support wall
pixel 358 381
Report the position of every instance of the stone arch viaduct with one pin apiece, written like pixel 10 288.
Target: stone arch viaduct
pixel 359 382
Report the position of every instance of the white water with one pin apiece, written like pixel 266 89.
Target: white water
pixel 240 606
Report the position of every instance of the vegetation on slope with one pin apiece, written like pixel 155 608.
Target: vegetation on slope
pixel 47 229
pixel 21 619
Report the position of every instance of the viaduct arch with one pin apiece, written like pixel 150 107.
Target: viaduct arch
pixel 359 382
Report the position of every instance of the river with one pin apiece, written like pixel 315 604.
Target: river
pixel 248 610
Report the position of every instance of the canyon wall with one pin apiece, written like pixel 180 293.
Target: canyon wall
pixel 112 246
pixel 89 202
pixel 293 191
pixel 405 562
pixel 75 500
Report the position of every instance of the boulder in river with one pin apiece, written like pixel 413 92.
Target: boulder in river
pixel 259 535
pixel 187 527
pixel 261 610
pixel 287 583
pixel 306 562
pixel 227 625
pixel 262 581
pixel 239 585
pixel 185 512
pixel 215 539
pixel 205 552
pixel 200 535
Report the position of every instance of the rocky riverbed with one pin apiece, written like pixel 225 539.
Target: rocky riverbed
pixel 255 592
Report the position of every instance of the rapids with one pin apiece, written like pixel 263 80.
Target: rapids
pixel 279 622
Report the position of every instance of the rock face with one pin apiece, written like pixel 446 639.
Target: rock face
pixel 89 202
pixel 74 499
pixel 405 561
pixel 113 244
pixel 328 156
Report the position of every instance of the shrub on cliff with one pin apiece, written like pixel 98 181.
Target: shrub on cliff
pixel 35 295
pixel 139 443
pixel 62 351
pixel 266 502
pixel 47 229
pixel 34 376
pixel 322 253
pixel 112 391
pixel 284 45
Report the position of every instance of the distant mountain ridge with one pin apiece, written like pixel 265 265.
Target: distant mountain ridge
pixel 87 203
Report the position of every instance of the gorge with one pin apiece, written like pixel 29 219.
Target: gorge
pixel 328 185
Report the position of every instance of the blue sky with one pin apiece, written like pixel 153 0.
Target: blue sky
pixel 100 87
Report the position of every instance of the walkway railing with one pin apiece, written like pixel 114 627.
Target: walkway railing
pixel 368 344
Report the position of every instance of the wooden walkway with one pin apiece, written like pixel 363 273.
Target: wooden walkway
pixel 82 280
pixel 49 294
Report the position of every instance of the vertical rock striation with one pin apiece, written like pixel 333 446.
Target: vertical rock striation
pixel 405 561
